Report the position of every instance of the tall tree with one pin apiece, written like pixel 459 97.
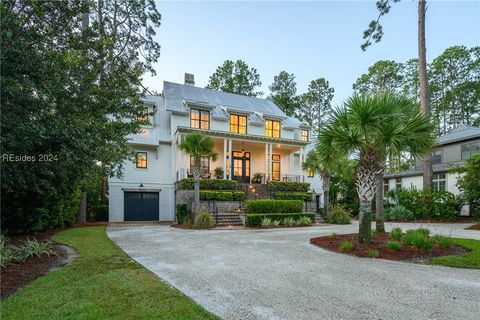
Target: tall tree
pixel 316 103
pixel 236 77
pixel 375 33
pixel 367 126
pixel 384 75
pixel 284 92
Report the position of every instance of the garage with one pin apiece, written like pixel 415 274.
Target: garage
pixel 141 206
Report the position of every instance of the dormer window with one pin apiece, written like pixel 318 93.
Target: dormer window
pixel 272 128
pixel 145 118
pixel 238 124
pixel 199 119
pixel 305 136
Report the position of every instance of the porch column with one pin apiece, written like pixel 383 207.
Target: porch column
pixel 178 163
pixel 230 176
pixel 290 164
pixel 301 162
pixel 270 162
pixel 266 161
pixel 224 158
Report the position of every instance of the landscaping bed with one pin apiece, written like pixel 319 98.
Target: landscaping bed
pixel 474 227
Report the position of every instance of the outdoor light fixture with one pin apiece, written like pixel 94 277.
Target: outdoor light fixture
pixel 141 185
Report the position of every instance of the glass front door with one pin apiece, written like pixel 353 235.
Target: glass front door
pixel 241 166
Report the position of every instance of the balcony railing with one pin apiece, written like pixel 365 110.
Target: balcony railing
pixel 258 178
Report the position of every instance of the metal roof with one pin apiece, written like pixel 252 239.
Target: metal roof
pixel 460 133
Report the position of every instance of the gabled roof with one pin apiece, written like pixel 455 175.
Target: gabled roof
pixel 460 133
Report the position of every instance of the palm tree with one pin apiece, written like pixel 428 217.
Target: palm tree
pixel 199 146
pixel 366 126
pixel 324 165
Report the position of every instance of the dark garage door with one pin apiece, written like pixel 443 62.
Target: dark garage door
pixel 140 206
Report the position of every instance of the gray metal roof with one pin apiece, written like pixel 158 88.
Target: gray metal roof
pixel 460 133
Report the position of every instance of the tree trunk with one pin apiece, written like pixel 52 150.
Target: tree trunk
pixel 103 190
pixel 326 193
pixel 82 209
pixel 424 103
pixel 379 217
pixel 196 177
pixel 365 222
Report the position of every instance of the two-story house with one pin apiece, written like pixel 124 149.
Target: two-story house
pixel 452 150
pixel 253 138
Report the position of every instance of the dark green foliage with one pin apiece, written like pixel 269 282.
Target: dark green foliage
pixel 288 186
pixel 426 204
pixel 182 213
pixel 342 186
pixel 222 195
pixel 304 196
pixel 256 219
pixel 219 173
pixel 373 253
pixel 469 184
pixel 98 212
pixel 236 77
pixel 274 206
pixel 209 184
pixel 338 215
pixel 284 90
pixel 394 245
pixel 418 238
pixel 396 234
pixel 398 213
pixel 346 246
pixel 204 220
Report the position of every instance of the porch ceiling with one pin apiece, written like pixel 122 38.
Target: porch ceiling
pixel 242 137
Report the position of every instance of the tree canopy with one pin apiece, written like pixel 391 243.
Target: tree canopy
pixel 236 77
pixel 316 103
pixel 284 92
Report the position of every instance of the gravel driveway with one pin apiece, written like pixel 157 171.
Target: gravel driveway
pixel 277 274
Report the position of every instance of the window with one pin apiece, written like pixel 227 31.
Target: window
pixel 141 160
pixel 305 135
pixel 272 128
pixel 276 167
pixel 398 183
pixel 470 149
pixel 437 156
pixel 238 124
pixel 199 119
pixel 385 186
pixel 310 173
pixel 439 181
pixel 204 165
pixel 145 118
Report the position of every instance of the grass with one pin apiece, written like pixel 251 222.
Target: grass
pixel 470 260
pixel 101 283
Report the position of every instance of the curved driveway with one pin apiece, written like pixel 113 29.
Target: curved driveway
pixel 277 274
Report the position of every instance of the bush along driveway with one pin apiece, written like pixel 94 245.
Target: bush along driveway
pixel 278 274
pixel 102 283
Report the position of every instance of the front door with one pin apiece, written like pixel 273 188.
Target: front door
pixel 241 166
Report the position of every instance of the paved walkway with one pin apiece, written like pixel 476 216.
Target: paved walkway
pixel 277 274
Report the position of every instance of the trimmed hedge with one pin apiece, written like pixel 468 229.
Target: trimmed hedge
pixel 274 206
pixel 256 219
pixel 182 213
pixel 304 196
pixel 209 184
pixel 288 186
pixel 222 195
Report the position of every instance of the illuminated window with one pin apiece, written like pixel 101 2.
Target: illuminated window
pixel 204 165
pixel 305 135
pixel 272 128
pixel 398 183
pixel 385 186
pixel 276 167
pixel 144 117
pixel 238 124
pixel 199 119
pixel 439 181
pixel 310 173
pixel 141 160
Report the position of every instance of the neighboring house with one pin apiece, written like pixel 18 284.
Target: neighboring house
pixel 251 136
pixel 453 149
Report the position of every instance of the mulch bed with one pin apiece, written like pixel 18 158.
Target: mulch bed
pixel 406 253
pixel 18 274
pixel 474 227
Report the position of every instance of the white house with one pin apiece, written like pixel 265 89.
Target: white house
pixel 251 135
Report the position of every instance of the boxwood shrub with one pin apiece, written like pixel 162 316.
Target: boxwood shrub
pixel 274 206
pixel 304 196
pixel 256 219
pixel 222 195
pixel 209 184
pixel 182 213
pixel 288 186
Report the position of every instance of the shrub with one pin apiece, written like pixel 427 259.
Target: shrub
pixel 398 213
pixel 222 195
pixel 396 234
pixel 204 220
pixel 209 184
pixel 182 213
pixel 288 186
pixel 442 241
pixel 424 231
pixel 274 206
pixel 338 215
pixel 32 248
pixel 304 196
pixel 289 222
pixel 275 223
pixel 333 236
pixel 373 253
pixel 304 221
pixel 6 252
pixel 266 222
pixel 257 178
pixel 394 245
pixel 256 219
pixel 418 238
pixel 423 243
pixel 346 246
pixel 218 173
pixel 98 212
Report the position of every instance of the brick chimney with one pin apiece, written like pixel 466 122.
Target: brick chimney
pixel 189 79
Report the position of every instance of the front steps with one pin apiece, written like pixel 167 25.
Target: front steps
pixel 229 220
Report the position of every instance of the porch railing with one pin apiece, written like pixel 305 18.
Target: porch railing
pixel 257 178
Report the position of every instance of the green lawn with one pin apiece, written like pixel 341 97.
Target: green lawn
pixel 102 283
pixel 470 260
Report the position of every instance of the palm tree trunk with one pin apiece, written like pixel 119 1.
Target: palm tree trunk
pixel 196 185
pixel 379 217
pixel 326 193
pixel 365 222
pixel 424 103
